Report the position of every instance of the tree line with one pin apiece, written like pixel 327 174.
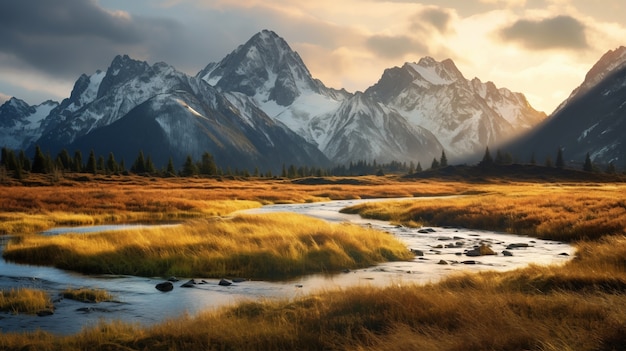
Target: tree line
pixel 502 158
pixel 20 165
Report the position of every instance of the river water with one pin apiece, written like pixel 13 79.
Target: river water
pixel 139 301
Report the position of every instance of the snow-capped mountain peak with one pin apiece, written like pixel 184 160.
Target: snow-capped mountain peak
pixel 264 67
pixel 20 123
pixel 435 73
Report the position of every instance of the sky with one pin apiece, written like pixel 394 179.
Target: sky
pixel 541 48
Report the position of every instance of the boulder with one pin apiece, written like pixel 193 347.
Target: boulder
pixel 417 252
pixel 507 253
pixel 189 284
pixel 224 282
pixel 165 286
pixel 517 246
pixel 46 312
pixel 482 250
pixel 443 262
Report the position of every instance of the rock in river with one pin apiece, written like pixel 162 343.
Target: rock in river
pixel 224 282
pixel 165 286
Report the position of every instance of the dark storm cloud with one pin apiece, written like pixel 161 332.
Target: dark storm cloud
pixel 393 46
pixel 69 37
pixel 437 18
pixel 561 32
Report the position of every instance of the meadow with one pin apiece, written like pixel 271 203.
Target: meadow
pixel 580 305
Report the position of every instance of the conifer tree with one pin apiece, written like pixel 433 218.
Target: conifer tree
pixel 92 166
pixel 23 161
pixel 189 167
pixel 112 166
pixel 207 165
pixel 588 166
pixel 487 160
pixel 443 161
pixel 8 159
pixel 170 170
pixel 39 161
pixel 101 164
pixel 139 166
pixel 64 160
pixel 434 164
pixel 150 168
pixel 78 161
pixel 418 168
pixel 560 163
pixel 610 168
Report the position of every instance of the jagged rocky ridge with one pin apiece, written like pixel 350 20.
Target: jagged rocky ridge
pixel 166 113
pixel 413 112
pixel 260 106
pixel 591 120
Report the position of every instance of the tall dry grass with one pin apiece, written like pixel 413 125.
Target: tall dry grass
pixel 567 307
pixel 24 300
pixel 38 206
pixel 566 212
pixel 252 246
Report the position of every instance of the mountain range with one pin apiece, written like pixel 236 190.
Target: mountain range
pixel 261 107
pixel 592 120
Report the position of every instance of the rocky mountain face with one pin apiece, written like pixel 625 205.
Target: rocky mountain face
pixel 165 113
pixel 592 120
pixel 466 116
pixel 411 114
pixel 20 123
pixel 261 106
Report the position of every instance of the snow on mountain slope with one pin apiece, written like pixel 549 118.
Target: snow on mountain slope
pixel 21 123
pixel 266 70
pixel 592 120
pixel 363 129
pixel 610 62
pixel 466 116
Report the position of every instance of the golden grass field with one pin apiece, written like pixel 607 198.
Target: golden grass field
pixel 580 305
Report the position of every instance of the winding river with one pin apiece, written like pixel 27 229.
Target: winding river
pixel 441 251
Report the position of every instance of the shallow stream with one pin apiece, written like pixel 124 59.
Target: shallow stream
pixel 442 253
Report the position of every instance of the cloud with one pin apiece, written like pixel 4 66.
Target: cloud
pixel 437 18
pixel 69 37
pixel 560 32
pixel 391 47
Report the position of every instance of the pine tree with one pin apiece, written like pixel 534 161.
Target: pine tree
pixel 610 168
pixel 434 164
pixel 78 161
pixel 418 168
pixel 112 166
pixel 39 161
pixel 139 166
pixel 487 160
pixel 23 162
pixel 588 166
pixel 443 161
pixel 189 167
pixel 8 159
pixel 92 166
pixel 170 170
pixel 548 162
pixel 560 163
pixel 207 165
pixel 101 164
pixel 64 160
pixel 150 168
